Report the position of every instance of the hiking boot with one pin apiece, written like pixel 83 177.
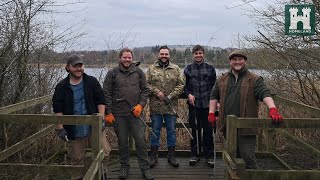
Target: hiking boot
pixel 210 162
pixel 171 159
pixel 153 156
pixel 194 160
pixel 147 174
pixel 124 171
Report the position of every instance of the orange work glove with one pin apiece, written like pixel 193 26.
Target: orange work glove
pixel 109 118
pixel 275 116
pixel 137 110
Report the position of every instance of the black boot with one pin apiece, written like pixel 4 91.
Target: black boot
pixel 153 156
pixel 171 159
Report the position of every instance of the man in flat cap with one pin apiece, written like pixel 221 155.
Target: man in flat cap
pixel 238 92
pixel 78 94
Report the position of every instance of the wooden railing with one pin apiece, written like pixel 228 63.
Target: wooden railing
pixel 92 168
pixel 236 166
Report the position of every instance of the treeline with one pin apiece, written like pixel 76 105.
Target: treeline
pixel 146 55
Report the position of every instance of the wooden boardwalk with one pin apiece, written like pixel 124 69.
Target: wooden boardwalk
pixel 164 171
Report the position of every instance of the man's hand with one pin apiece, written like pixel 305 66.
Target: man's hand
pixel 276 117
pixel 62 133
pixel 212 119
pixel 160 95
pixel 109 118
pixel 167 99
pixel 191 99
pixel 137 110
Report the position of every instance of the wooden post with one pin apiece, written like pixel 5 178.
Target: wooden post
pixel 241 169
pixel 232 136
pixel 260 141
pixel 270 140
pixel 95 139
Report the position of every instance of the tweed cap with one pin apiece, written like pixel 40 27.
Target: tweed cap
pixel 238 53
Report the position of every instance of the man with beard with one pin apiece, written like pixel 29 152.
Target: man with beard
pixel 200 78
pixel 166 83
pixel 126 93
pixel 78 94
pixel 238 92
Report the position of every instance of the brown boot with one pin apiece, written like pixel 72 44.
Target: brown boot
pixel 153 156
pixel 171 159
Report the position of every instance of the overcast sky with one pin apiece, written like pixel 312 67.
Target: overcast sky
pixel 147 22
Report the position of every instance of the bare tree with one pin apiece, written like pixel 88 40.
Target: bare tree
pixel 293 61
pixel 27 44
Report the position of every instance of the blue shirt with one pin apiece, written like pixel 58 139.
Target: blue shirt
pixel 79 108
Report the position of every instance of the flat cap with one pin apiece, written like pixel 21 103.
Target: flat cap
pixel 238 53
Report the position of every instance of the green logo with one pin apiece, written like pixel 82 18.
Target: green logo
pixel 300 19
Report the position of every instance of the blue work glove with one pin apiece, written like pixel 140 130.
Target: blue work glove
pixel 167 99
pixel 62 133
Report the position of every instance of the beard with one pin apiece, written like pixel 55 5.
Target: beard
pixel 76 74
pixel 163 61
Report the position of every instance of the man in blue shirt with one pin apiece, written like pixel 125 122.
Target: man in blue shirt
pixel 78 94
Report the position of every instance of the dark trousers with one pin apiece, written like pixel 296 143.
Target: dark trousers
pixel 246 150
pixel 129 124
pixel 205 140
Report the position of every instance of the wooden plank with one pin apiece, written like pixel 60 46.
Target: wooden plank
pixel 61 170
pixel 299 106
pixel 284 164
pixel 299 141
pixel 46 119
pixel 95 166
pixel 178 125
pixel 284 174
pixel 24 143
pixel 165 171
pixel 287 123
pixel 25 104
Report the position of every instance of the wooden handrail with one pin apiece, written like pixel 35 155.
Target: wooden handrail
pixel 25 104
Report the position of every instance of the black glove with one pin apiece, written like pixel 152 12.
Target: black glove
pixel 167 99
pixel 62 133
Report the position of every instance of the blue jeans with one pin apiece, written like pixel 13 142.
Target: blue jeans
pixel 170 122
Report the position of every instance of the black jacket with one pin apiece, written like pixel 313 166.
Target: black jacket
pixel 63 98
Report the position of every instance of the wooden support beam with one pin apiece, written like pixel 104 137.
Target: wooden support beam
pixel 46 119
pixel 25 104
pixel 24 143
pixel 297 140
pixel 287 123
pixel 61 170
pixel 178 125
pixel 299 106
pixel 95 167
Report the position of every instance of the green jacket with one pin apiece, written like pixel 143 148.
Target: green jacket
pixel 124 89
pixel 169 80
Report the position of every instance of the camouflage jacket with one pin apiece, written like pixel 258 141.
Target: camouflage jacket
pixel 170 81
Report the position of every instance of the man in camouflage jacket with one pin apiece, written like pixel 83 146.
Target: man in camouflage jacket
pixel 166 83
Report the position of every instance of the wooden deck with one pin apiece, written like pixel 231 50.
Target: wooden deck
pixel 164 171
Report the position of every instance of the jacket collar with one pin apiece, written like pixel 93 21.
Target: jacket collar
pixel 170 65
